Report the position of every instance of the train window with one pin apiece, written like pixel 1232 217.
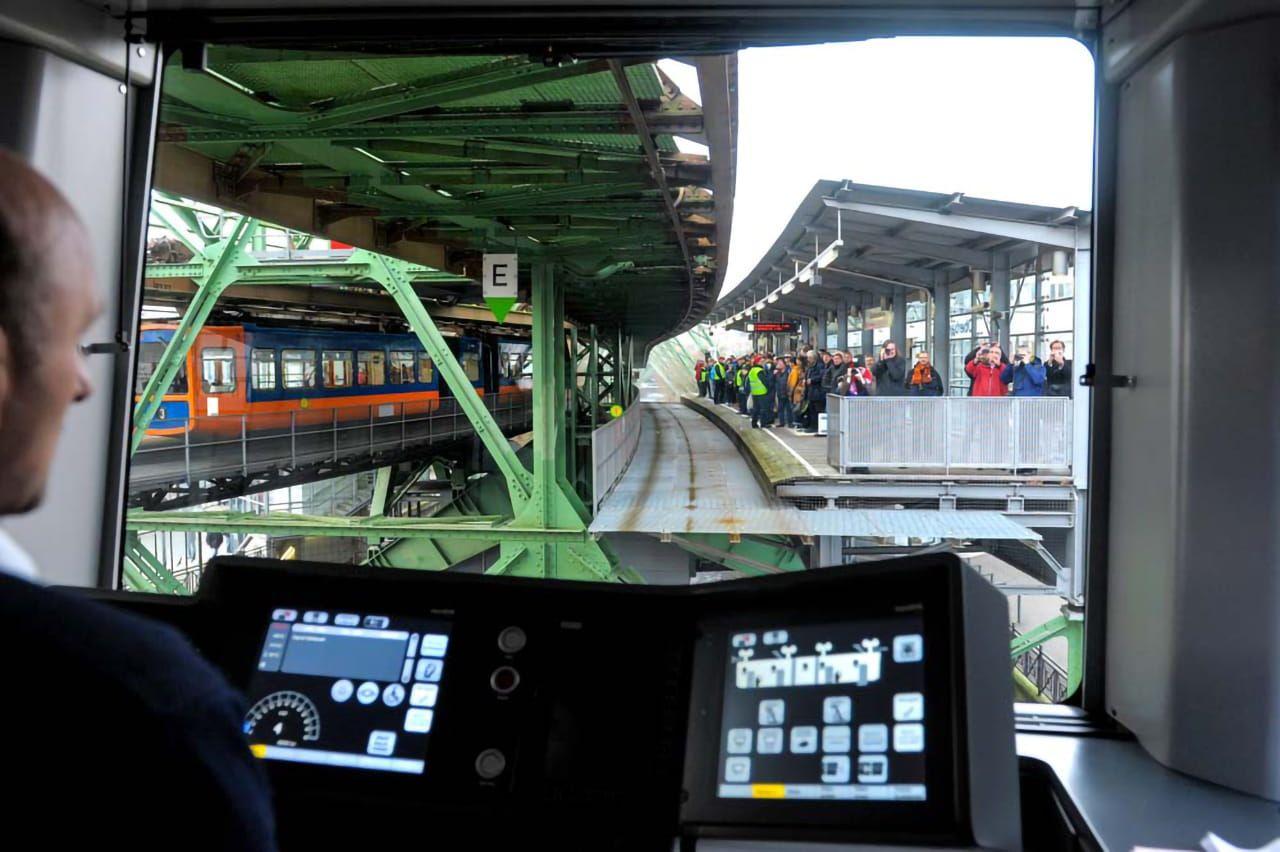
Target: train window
pixel 371 368
pixel 264 369
pixel 218 370
pixel 471 365
pixel 337 368
pixel 298 367
pixel 149 354
pixel 401 368
pixel 426 370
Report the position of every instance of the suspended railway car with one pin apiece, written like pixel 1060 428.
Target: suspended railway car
pixel 272 378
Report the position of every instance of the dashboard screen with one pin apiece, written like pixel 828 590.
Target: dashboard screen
pixel 346 689
pixel 825 711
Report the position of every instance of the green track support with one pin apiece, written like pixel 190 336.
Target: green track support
pixel 1069 625
pixel 144 569
pixel 753 555
pixel 547 537
pixel 220 272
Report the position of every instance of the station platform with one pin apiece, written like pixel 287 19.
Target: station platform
pixel 696 470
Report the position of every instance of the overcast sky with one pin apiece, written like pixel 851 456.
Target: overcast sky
pixel 1003 118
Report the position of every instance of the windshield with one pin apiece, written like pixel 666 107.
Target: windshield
pixel 149 354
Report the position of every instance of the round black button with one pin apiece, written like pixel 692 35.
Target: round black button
pixel 490 764
pixel 512 640
pixel 504 680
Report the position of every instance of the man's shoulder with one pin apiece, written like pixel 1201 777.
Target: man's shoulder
pixel 140 661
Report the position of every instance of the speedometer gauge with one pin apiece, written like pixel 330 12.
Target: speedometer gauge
pixel 283 718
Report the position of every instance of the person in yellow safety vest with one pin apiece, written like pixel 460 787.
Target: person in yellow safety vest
pixel 700 377
pixel 740 382
pixel 760 383
pixel 717 380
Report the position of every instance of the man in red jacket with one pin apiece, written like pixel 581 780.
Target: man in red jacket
pixel 985 372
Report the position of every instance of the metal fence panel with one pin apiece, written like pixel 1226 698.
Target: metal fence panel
pixel 946 433
pixel 612 447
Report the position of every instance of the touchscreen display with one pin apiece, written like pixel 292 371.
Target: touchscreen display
pixel 346 689
pixel 825 711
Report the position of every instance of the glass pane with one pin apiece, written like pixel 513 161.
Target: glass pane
pixel 1023 320
pixel 426 370
pixel 371 368
pixel 961 301
pixel 264 369
pixel 337 368
pixel 402 368
pixel 471 365
pixel 218 370
pixel 1057 316
pixel 298 367
pixel 149 354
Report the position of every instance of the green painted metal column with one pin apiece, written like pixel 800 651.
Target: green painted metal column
pixel 220 273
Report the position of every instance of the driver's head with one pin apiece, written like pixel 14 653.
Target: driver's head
pixel 46 304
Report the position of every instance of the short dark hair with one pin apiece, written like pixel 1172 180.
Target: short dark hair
pixel 32 213
pixel 1053 343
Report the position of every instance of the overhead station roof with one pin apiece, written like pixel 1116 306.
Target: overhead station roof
pixel 847 237
pixel 437 159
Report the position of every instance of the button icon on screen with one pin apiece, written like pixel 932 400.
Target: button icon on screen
pixel 382 743
pixel 873 738
pixel 769 741
pixel 284 615
pixel 314 617
pixel 346 619
pixel 908 707
pixel 873 769
pixel 429 670
pixel 367 693
pixel 341 690
pixel 376 622
pixel 423 695
pixel 418 720
pixel 837 710
pixel 744 640
pixel 836 738
pixel 908 649
pixel 775 637
pixel 393 695
pixel 804 740
pixel 740 740
pixel 737 770
pixel 434 644
pixel 908 737
pixel 835 769
pixel 773 712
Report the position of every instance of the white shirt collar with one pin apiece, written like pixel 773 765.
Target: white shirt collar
pixel 14 560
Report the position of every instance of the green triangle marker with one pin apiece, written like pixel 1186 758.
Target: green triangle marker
pixel 500 305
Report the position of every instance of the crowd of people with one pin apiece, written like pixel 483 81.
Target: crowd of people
pixel 791 390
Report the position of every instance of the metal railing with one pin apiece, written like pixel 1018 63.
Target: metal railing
pixel 1046 674
pixel 948 433
pixel 246 444
pixel 612 447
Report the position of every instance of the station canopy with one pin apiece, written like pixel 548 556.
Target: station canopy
pixel 847 241
pixel 438 159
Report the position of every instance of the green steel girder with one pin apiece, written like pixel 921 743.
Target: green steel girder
pixel 395 279
pixel 1069 625
pixel 752 555
pixel 482 527
pixel 525 153
pixel 504 124
pixel 221 268
pixel 554 504
pixel 148 569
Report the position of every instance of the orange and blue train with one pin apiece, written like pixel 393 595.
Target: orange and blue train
pixel 274 375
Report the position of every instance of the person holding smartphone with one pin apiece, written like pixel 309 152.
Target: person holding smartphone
pixel 1026 373
pixel 890 372
pixel 985 370
pixel 1057 371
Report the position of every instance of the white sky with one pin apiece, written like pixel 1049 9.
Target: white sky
pixel 1003 118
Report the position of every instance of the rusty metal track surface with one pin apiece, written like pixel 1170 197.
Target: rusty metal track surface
pixel 687 477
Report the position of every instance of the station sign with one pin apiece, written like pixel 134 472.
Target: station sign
pixel 500 283
pixel 774 327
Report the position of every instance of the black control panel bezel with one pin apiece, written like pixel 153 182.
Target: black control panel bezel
pixel 927 587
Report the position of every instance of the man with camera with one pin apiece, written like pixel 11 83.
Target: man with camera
pixel 1026 373
pixel 890 372
pixel 1057 371
pixel 985 371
